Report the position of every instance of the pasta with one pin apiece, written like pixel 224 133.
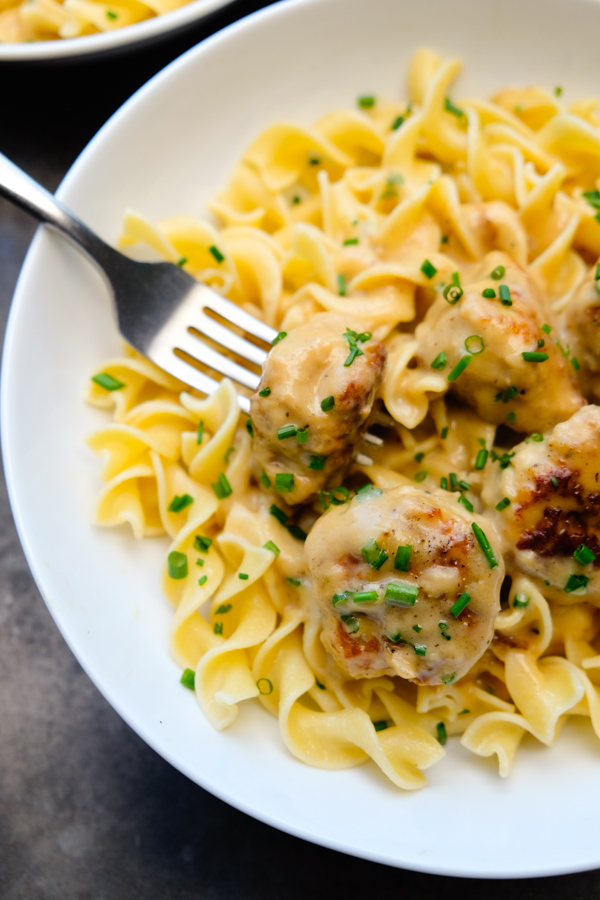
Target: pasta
pixel 429 266
pixel 23 21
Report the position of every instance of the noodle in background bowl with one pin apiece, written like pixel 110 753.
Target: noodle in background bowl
pixel 176 141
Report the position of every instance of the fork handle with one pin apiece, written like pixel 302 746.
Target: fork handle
pixel 21 189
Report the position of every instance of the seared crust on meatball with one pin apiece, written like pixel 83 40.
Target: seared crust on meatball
pixel 499 383
pixel 553 484
pixel 310 365
pixel 428 612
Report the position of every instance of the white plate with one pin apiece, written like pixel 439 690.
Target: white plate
pixel 116 40
pixel 166 152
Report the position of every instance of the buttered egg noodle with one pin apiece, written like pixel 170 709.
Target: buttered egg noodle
pixel 431 270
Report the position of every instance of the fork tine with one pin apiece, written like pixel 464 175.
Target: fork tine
pixel 235 315
pixel 229 339
pixel 184 371
pixel 196 348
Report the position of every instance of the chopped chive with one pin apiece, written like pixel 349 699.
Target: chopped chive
pixel 575 363
pixel 503 461
pixel 317 462
pixel 475 344
pixel 507 395
pixel 541 343
pixel 182 261
pixel 216 253
pixel 319 685
pixel 444 432
pixel 448 679
pixel 520 601
pixel 296 200
pixel 314 160
pixel 374 554
pixel 279 514
pixel 576 583
pixel 365 597
pixel 108 382
pixel 488 293
pixel 498 273
pixel 381 725
pixel 504 293
pixel 327 404
pixel 286 431
pixel 558 91
pixel 249 427
pixel 200 434
pixel 367 101
pixel 284 482
pixel 443 626
pixel 341 598
pixel 537 437
pixel 178 503
pixel 202 544
pixel 453 481
pixel 396 638
pixel 444 239
pixel 584 555
pixel 297 532
pixel 243 576
pixel 178 565
pixel 339 500
pixel 295 581
pixel 534 356
pixel 367 491
pixel 341 282
pixel 440 362
pixel 113 15
pixel 419 457
pixel 444 483
pixel 265 686
pixel 460 604
pixel 402 558
pixel 428 269
pixel 421 476
pixel 227 456
pixel 302 435
pixel 221 487
pixel 502 504
pixel 401 594
pixel 351 622
pixel 452 109
pixel 188 679
pixel 453 291
pixel 349 241
pixel 396 123
pixel 265 392
pixel 466 503
pixel 417 628
pixel 420 649
pixel 484 544
pixel 460 367
pixel 223 608
pixel 203 580
pixel 270 545
pixel 265 480
pixel 324 500
pixel 441 733
pixel 279 337
pixel 218 628
pixel 546 329
pixel 354 352
pixel 511 417
pixel 464 712
pixel 199 562
pixel 464 485
pixel 593 198
pixel 554 481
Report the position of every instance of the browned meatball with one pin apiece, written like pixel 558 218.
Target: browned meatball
pixel 311 407
pixel 425 612
pixel 499 382
pixel 582 324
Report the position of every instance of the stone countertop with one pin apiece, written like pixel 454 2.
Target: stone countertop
pixel 87 810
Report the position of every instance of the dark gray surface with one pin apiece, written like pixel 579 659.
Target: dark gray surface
pixel 87 810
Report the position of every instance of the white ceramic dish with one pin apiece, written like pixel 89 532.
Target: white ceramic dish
pixel 175 141
pixel 120 39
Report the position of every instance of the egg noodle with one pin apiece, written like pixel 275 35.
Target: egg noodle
pixel 46 20
pixel 371 213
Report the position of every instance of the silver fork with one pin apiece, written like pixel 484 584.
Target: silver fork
pixel 159 305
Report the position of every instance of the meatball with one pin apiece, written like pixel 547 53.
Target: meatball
pixel 551 527
pixel 404 585
pixel 582 326
pixel 490 335
pixel 312 404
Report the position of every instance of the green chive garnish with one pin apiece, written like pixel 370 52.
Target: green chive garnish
pixel 265 480
pixel 279 514
pixel 373 554
pixel 295 581
pixel 341 281
pixel 402 558
pixel 297 532
pixel 466 503
pixel 284 482
pixel 272 547
pixel 317 462
pixel 180 262
pixel 397 123
pixel 202 581
pixel 188 679
pixel 428 269
pixel 511 417
pixel 505 298
pixel 265 686
pixel 286 431
pixel 475 344
pixel 575 363
pixel 180 502
pixel 534 356
pixel 349 241
pixel 279 337
pixel 216 253
pixel 576 583
pixel 200 434
pixel 440 362
pixel 401 594
pixel 488 293
pixel 381 725
pixel 502 504
pixel 520 601
pixel 482 457
pixel 341 598
pixel 547 329
pixel 484 544
pixel 178 565
pixel 227 456
pixel 202 544
pixel 302 435
pixel 199 562
pixel 421 476
pixel 265 392
pixel 221 487
pixel 249 427
pixel 365 597
pixel 452 109
pixel 584 555
pixel 367 101
pixel 243 576
pixel 444 432
pixel 420 649
pixel 419 457
pixel 327 404
pixel 223 608
pixel 460 367
pixel 441 733
pixel 507 395
pixel 460 604
pixel 352 624
pixel 448 679
pixel 498 273
pixel 108 382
